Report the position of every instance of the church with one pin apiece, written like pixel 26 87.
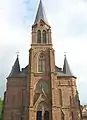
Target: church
pixel 41 90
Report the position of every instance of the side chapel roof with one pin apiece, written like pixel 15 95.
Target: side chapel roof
pixel 15 69
pixel 16 72
pixel 66 71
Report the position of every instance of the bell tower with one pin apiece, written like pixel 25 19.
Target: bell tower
pixel 41 90
pixel 41 69
pixel 41 31
pixel 48 85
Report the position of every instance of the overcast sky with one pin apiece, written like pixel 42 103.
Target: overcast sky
pixel 68 20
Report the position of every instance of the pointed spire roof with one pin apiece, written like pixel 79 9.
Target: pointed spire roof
pixel 40 14
pixel 66 68
pixel 15 69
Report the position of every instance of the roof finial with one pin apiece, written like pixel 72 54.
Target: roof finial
pixel 65 54
pixel 17 54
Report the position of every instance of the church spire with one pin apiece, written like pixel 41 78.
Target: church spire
pixel 66 68
pixel 15 69
pixel 40 14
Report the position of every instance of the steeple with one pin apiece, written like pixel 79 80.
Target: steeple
pixel 66 68
pixel 40 14
pixel 15 69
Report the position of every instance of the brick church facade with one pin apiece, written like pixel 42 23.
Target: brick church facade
pixel 41 90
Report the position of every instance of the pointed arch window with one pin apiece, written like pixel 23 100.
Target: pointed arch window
pixel 38 36
pixel 42 112
pixel 44 36
pixel 40 115
pixel 41 64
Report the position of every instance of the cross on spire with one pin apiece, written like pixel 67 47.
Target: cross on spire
pixel 65 54
pixel 17 53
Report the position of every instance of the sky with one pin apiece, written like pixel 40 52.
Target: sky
pixel 68 21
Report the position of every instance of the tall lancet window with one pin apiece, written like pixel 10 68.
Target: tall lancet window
pixel 44 36
pixel 38 36
pixel 41 63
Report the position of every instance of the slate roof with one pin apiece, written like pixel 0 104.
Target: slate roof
pixel 15 69
pixel 66 68
pixel 16 72
pixel 40 14
pixel 66 71
pixel 62 74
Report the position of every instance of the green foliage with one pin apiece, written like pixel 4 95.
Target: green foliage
pixel 1 108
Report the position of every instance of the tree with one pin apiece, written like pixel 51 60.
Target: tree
pixel 1 109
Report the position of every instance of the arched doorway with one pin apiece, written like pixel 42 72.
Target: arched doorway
pixel 42 112
pixel 46 115
pixel 41 117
